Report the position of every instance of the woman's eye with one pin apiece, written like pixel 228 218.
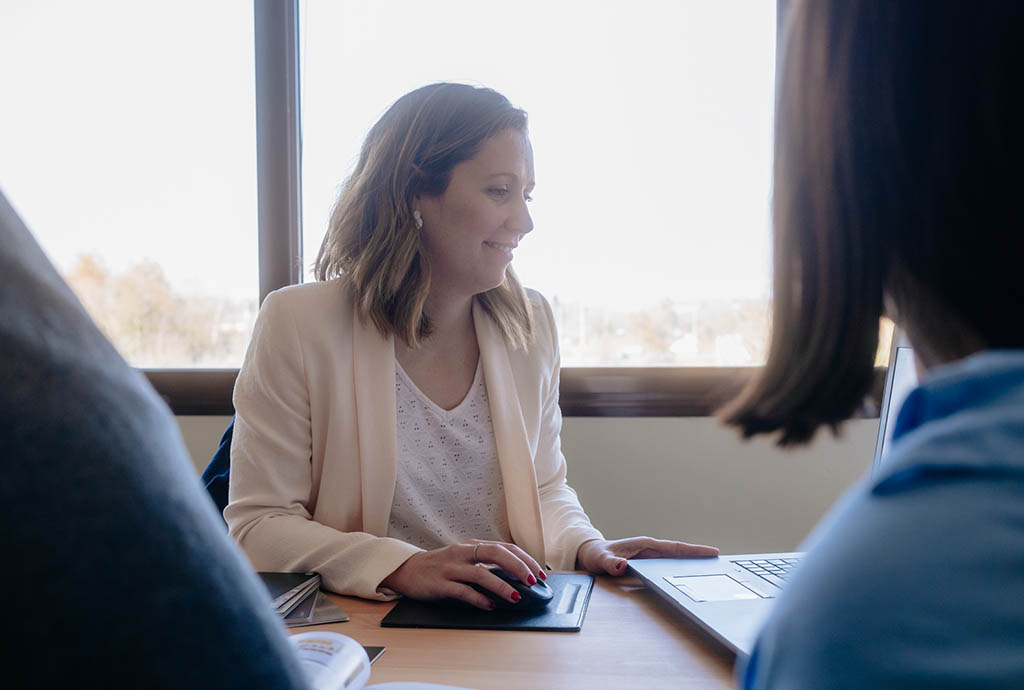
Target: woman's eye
pixel 499 192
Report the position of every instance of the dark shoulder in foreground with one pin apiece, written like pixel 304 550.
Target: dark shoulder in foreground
pixel 123 575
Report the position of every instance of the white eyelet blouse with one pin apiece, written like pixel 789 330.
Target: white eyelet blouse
pixel 448 487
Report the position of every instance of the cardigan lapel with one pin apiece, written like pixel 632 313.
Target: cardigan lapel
pixel 373 371
pixel 522 503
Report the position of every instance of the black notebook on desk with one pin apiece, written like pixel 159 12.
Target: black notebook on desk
pixel 564 614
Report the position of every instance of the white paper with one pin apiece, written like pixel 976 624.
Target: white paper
pixel 337 662
pixel 332 661
pixel 400 685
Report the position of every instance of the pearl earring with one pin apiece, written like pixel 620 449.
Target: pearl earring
pixel 418 218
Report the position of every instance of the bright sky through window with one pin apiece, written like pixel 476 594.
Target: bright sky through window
pixel 651 126
pixel 127 137
pixel 127 143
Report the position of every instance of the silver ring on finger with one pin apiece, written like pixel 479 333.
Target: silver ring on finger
pixel 475 559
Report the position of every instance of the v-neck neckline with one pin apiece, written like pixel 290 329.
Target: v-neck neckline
pixel 425 399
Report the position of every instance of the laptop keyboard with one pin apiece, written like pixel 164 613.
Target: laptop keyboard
pixel 773 570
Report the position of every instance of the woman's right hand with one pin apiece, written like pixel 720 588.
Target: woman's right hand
pixel 446 572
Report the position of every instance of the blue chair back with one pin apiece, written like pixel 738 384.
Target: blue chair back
pixel 217 473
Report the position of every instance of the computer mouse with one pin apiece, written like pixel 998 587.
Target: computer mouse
pixel 534 597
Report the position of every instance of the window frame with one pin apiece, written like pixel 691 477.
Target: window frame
pixel 584 392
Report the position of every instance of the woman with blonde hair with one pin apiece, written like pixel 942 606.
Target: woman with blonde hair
pixel 397 422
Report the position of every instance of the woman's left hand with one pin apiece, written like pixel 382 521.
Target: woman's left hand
pixel 603 556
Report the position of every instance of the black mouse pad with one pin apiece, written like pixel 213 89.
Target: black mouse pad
pixel 564 613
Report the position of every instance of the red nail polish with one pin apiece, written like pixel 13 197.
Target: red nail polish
pixel 516 596
pixel 543 576
pixel 531 580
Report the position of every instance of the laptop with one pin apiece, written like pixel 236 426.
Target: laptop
pixel 730 596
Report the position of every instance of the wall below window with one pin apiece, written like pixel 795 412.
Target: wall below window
pixel 686 478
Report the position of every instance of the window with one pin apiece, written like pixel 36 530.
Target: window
pixel 129 145
pixel 127 138
pixel 651 126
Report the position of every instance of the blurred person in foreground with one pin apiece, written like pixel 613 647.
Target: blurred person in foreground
pixel 898 152
pixel 117 570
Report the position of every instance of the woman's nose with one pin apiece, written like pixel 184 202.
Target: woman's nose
pixel 523 221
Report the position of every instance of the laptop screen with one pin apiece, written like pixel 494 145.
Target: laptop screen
pixel 900 380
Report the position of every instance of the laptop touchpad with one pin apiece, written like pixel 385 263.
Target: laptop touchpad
pixel 711 588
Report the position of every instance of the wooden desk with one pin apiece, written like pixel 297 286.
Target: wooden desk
pixel 630 639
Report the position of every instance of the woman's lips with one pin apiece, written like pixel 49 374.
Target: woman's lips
pixel 504 247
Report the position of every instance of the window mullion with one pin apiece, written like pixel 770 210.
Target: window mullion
pixel 278 144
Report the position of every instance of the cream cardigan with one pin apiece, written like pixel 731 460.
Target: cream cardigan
pixel 313 454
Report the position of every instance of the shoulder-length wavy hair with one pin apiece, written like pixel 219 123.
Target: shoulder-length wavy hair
pixel 897 187
pixel 372 243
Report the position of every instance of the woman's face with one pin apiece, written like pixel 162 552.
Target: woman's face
pixel 470 231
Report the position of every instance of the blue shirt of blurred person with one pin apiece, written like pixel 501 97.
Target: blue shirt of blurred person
pixel 916 578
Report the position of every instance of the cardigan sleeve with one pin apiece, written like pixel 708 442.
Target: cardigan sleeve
pixel 271 485
pixel 566 525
